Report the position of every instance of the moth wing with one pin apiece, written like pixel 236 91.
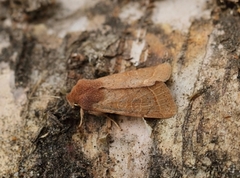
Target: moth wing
pixel 137 78
pixel 152 102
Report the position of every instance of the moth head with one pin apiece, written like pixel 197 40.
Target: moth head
pixel 84 94
pixel 73 97
pixel 71 101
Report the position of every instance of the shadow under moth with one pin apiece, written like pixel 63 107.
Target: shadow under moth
pixel 137 93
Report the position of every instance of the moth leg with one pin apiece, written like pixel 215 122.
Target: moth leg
pixel 81 117
pixel 110 119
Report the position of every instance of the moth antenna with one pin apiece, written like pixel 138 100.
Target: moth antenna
pixel 81 117
pixel 116 124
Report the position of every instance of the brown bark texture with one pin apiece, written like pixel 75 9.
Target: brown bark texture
pixel 47 46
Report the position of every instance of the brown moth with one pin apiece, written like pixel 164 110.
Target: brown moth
pixel 138 93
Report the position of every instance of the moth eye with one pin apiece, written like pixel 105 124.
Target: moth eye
pixel 75 104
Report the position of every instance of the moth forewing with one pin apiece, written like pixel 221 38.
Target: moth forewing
pixel 153 102
pixel 137 78
pixel 139 93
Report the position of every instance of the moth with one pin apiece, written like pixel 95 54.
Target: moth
pixel 137 93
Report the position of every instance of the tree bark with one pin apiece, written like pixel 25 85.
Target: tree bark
pixel 42 58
